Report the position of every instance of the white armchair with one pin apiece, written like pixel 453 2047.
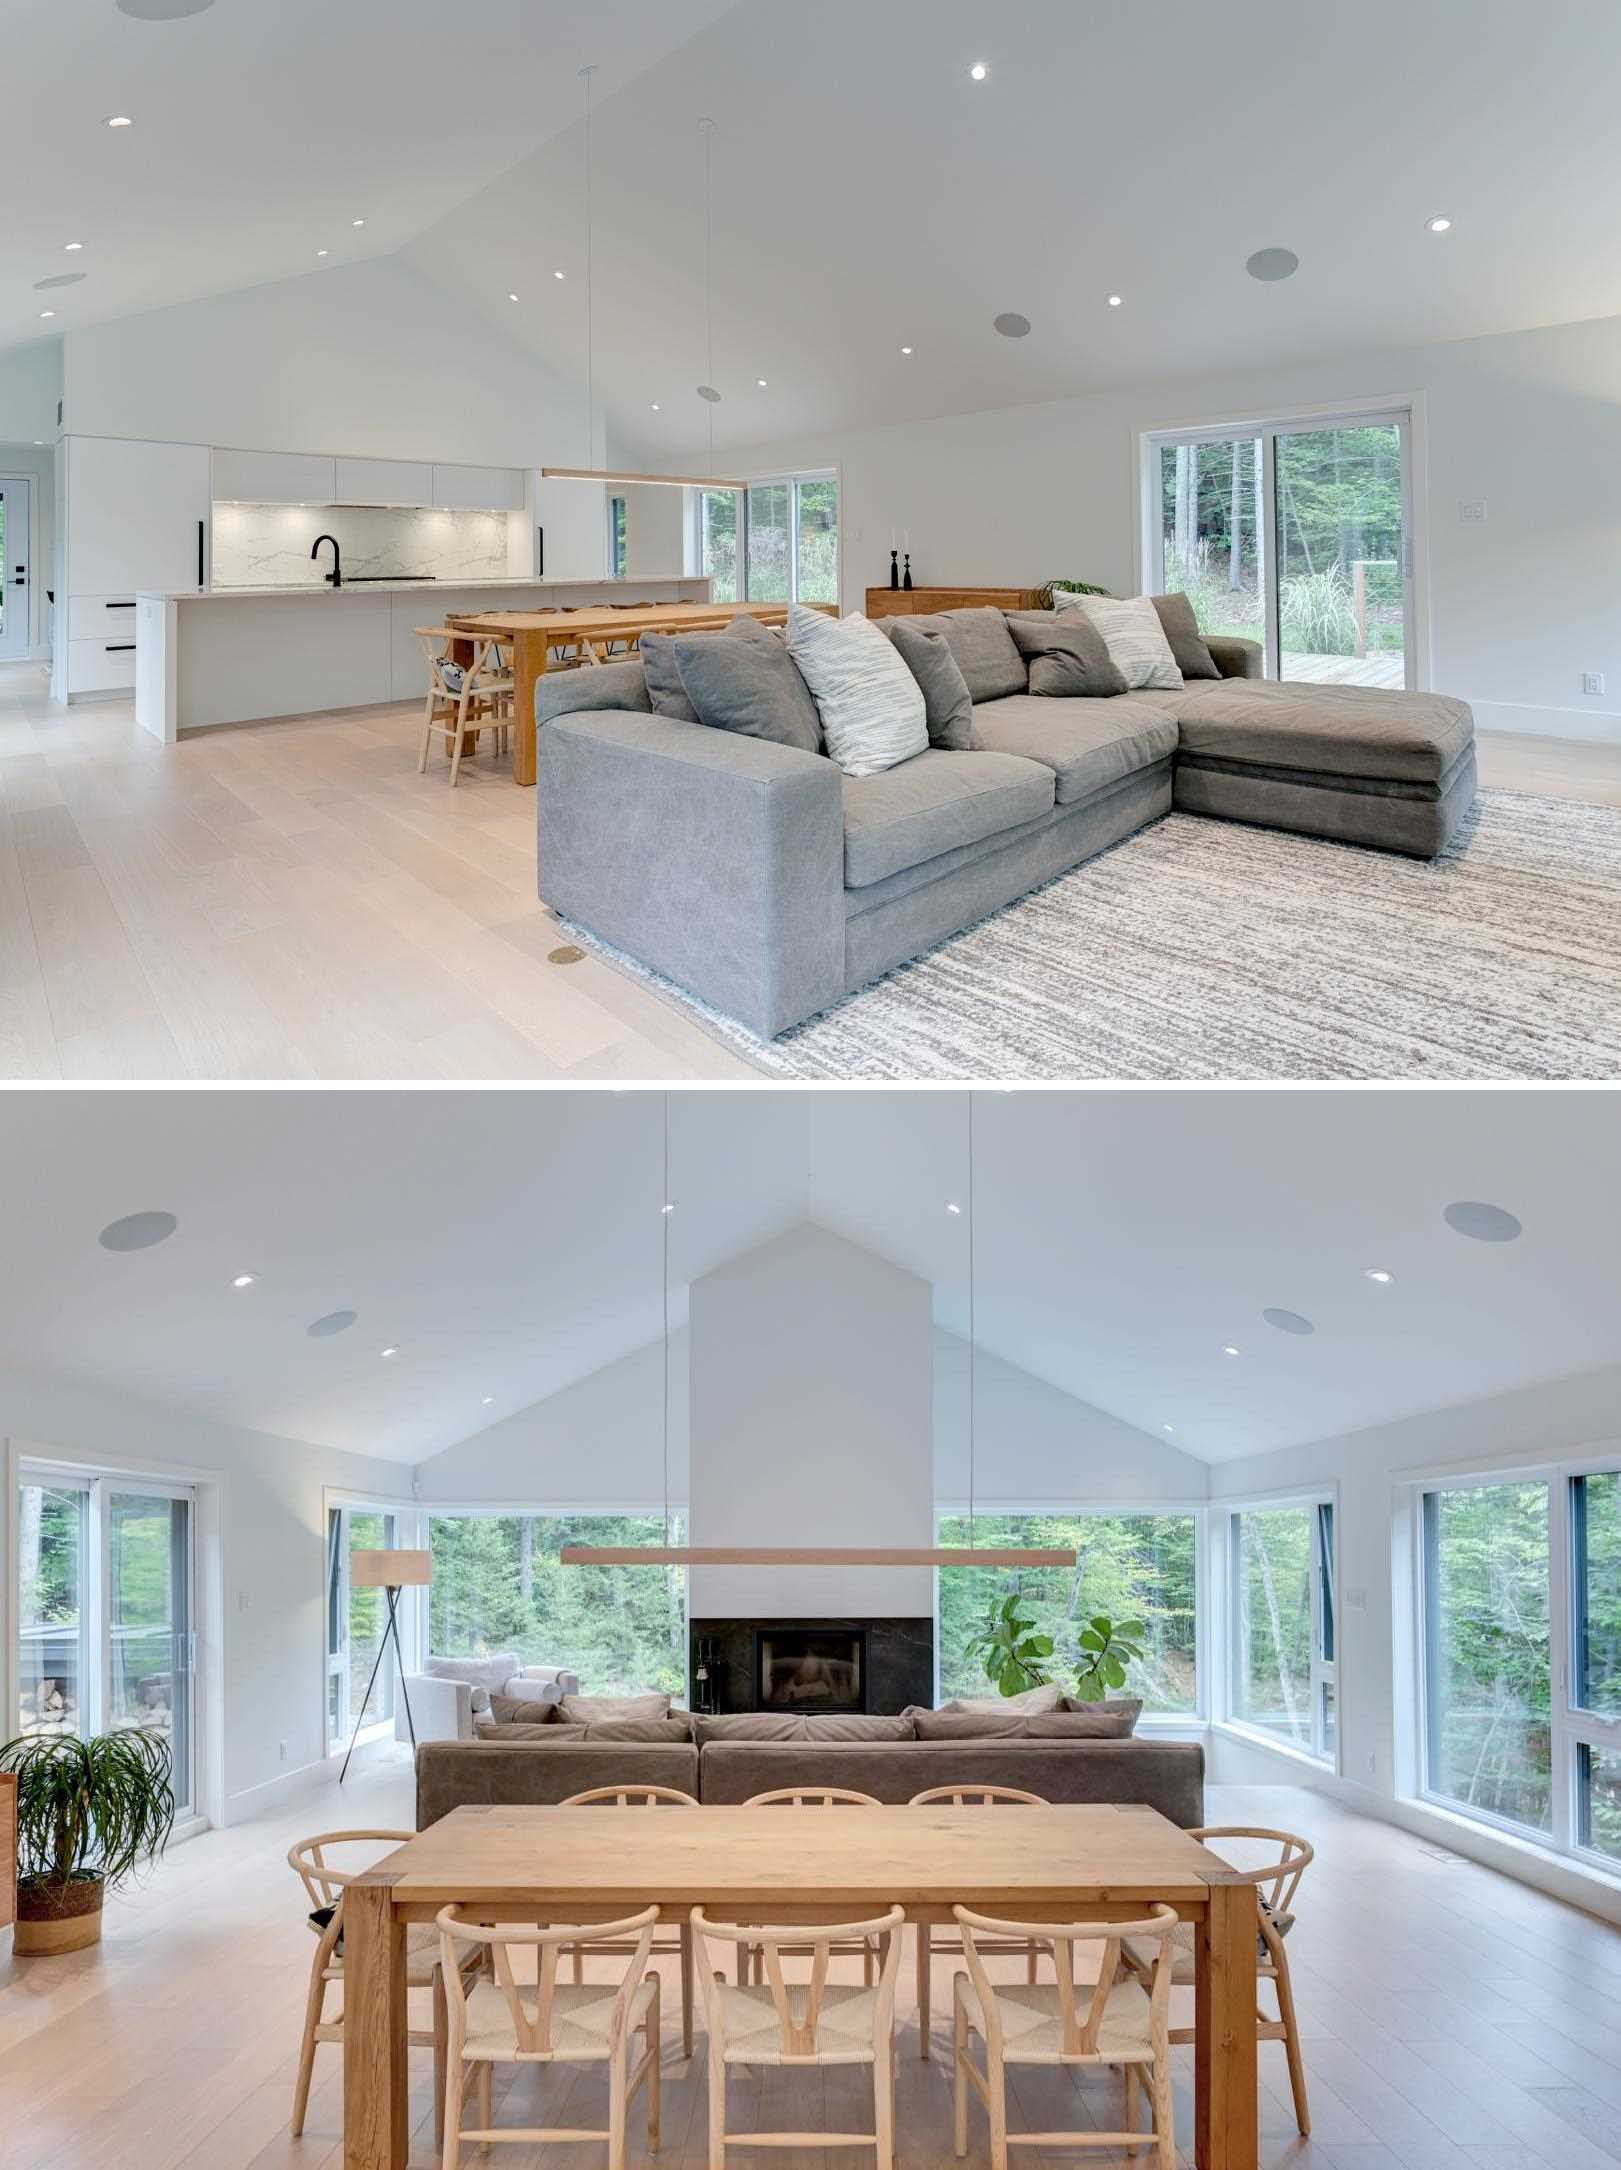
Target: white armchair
pixel 452 1692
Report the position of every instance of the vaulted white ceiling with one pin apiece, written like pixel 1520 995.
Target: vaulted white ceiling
pixel 867 193
pixel 510 1243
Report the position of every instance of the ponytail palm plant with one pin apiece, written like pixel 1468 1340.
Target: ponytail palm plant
pixel 88 1814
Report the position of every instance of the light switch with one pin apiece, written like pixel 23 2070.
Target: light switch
pixel 1471 510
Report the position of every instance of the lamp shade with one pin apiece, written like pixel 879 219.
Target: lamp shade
pixel 391 1570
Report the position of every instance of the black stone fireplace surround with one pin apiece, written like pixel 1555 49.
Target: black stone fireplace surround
pixel 896 1658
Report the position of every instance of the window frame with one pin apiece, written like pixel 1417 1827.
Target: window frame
pixel 335 1663
pixel 1197 1511
pixel 1327 1603
pixel 1571 1728
pixel 792 480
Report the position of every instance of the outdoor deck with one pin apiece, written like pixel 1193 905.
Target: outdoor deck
pixel 1378 670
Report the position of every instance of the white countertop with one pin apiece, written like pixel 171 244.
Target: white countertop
pixel 403 587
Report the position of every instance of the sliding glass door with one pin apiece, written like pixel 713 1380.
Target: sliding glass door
pixel 105 1609
pixel 775 542
pixel 1293 534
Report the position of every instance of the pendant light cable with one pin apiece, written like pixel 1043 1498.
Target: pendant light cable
pixel 706 129
pixel 666 1215
pixel 586 74
pixel 973 1225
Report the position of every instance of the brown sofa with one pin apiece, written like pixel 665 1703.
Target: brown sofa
pixel 1163 1774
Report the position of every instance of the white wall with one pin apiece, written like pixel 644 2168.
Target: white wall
pixel 1530 422
pixel 367 359
pixel 30 385
pixel 272 1555
pixel 655 529
pixel 1371 1470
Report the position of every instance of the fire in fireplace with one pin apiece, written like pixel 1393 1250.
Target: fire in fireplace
pixel 811 1668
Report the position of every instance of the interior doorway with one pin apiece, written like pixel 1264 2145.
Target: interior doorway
pixel 16 557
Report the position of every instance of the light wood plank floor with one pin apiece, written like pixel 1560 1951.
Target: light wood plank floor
pixel 1453 2020
pixel 291 900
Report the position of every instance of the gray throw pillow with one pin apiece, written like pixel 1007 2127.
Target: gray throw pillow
pixel 948 705
pixel 1181 629
pixel 1067 655
pixel 657 651
pixel 750 684
pixel 983 647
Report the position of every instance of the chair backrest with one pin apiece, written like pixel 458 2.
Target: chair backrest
pixel 532 2006
pixel 798 2005
pixel 1057 1941
pixel 976 1797
pixel 324 1879
pixel 1276 1878
pixel 630 1797
pixel 812 1797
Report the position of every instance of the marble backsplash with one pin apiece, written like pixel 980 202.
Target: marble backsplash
pixel 259 546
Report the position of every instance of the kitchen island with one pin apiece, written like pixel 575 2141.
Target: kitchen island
pixel 211 656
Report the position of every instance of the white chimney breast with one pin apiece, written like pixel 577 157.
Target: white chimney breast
pixel 812 1424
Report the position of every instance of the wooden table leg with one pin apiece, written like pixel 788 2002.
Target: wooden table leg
pixel 376 2115
pixel 528 664
pixel 1226 2080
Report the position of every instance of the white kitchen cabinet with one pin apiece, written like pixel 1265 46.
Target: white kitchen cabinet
pixel 384 482
pixel 102 666
pixel 574 519
pixel 479 489
pixel 136 516
pixel 273 478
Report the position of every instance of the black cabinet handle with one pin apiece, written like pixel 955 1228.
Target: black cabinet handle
pixel 202 530
pixel 118 606
pixel 540 553
pixel 119 647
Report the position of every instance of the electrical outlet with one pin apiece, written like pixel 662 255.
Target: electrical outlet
pixel 1471 510
pixel 281 1751
pixel 1592 681
pixel 1373 1763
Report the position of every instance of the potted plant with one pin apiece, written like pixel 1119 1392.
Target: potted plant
pixel 1107 1648
pixel 1009 1649
pixel 88 1814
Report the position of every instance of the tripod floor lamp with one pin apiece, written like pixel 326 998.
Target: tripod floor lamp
pixel 390 1572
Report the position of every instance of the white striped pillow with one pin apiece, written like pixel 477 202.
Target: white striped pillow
pixel 871 706
pixel 1134 638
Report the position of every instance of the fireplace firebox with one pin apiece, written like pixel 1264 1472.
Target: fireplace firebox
pixel 810 1668
pixel 877 1667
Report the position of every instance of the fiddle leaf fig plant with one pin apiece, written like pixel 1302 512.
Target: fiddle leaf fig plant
pixel 1108 1647
pixel 1009 1649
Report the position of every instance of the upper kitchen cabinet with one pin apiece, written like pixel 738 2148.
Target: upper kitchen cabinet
pixel 136 515
pixel 479 489
pixel 274 478
pixel 385 482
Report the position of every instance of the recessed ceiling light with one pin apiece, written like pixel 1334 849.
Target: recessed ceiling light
pixel 323 252
pixel 357 222
pixel 670 1208
pixel 1440 225
pixel 1011 325
pixel 70 246
pixel 1487 1224
pixel 559 274
pixel 1115 300
pixel 1287 1322
pixel 1227 1349
pixel 979 71
pixel 244 1280
pixel 47 312
pixel 1270 265
pixel 489 1400
pixel 655 406
pixel 760 381
pixel 952 1206
pixel 137 1231
pixel 1167 1427
pixel 1377 1273
pixel 391 1350
pixel 906 350
pixel 119 120
pixel 335 1322
pixel 512 297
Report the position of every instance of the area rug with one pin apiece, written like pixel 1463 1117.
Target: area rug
pixel 1202 949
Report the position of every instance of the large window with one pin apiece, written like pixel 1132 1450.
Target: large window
pixel 104 1609
pixel 775 542
pixel 1520 1654
pixel 1129 1566
pixel 498 1584
pixel 1282 1676
pixel 355 1621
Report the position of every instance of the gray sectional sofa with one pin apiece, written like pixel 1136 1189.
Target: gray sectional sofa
pixel 770 884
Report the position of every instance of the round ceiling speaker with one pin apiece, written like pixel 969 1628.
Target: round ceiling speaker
pixel 1287 1322
pixel 1486 1224
pixel 707 391
pixel 1011 325
pixel 63 278
pixel 335 1322
pixel 1269 265
pixel 162 11
pixel 137 1231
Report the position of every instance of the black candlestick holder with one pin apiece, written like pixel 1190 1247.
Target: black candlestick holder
pixel 894 569
pixel 907 582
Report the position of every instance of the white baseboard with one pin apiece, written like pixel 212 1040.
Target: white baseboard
pixel 1592 724
pixel 273 1795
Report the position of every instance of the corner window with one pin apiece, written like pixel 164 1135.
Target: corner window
pixel 775 542
pixel 1282 1678
pixel 355 1620
pixel 618 542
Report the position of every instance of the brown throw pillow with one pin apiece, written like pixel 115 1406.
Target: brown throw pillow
pixel 1117 1706
pixel 1181 629
pixel 513 1710
pixel 968 1725
pixel 552 1735
pixel 761 1725
pixel 1086 1721
pixel 663 1731
pixel 596 1709
pixel 1067 655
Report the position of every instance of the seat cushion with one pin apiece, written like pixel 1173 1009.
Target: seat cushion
pixel 1359 731
pixel 985 650
pixel 933 803
pixel 1088 744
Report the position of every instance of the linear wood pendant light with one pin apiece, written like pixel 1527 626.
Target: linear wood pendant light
pixel 668 1555
pixel 706 390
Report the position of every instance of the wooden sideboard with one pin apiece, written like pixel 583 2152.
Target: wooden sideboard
pixel 8 1847
pixel 889 602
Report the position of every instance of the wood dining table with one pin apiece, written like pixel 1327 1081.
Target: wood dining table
pixel 763 1865
pixel 533 634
